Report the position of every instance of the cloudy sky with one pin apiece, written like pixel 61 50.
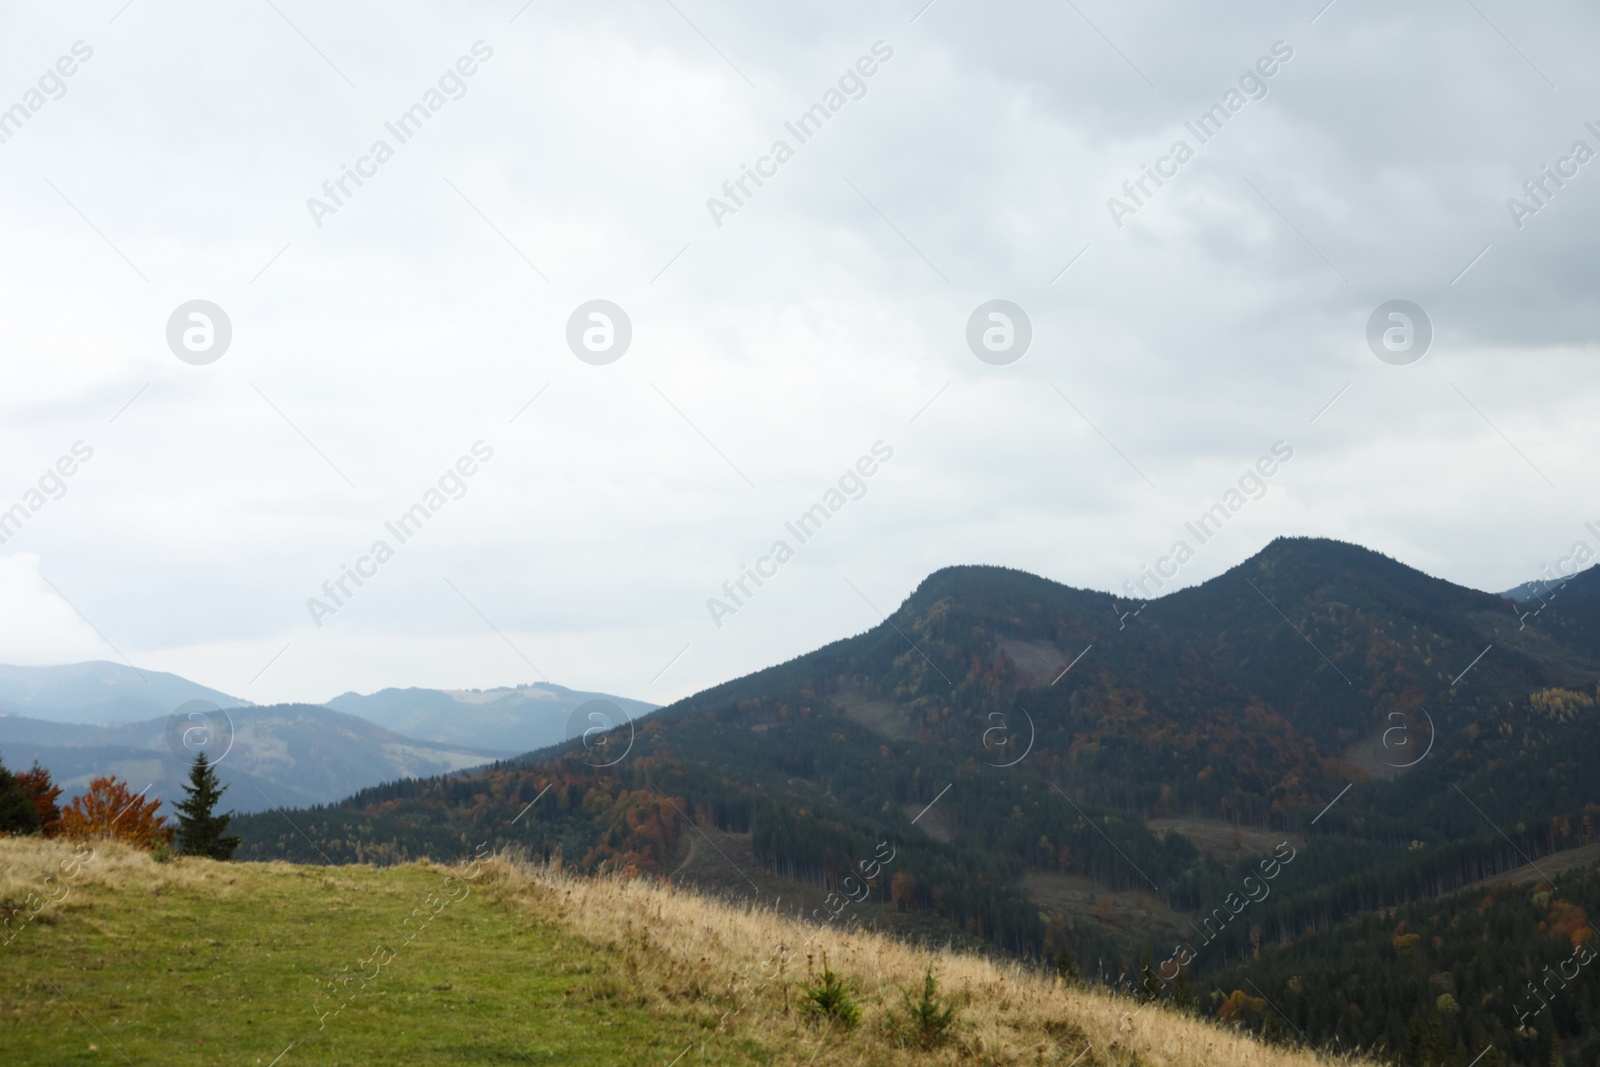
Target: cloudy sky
pixel 379 334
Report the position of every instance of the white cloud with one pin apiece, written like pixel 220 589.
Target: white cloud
pixel 37 625
pixel 818 319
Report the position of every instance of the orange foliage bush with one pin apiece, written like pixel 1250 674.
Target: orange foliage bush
pixel 111 810
pixel 1240 1007
pixel 1569 921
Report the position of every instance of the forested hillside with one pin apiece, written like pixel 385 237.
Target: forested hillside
pixel 1084 758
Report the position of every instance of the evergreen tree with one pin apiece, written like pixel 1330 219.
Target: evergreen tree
pixel 1429 1044
pixel 1149 982
pixel 201 832
pixel 17 813
pixel 1067 967
pixel 1182 992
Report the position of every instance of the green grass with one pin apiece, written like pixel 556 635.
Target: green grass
pixel 194 961
pixel 240 975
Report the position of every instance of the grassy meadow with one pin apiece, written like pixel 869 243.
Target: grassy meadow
pixel 197 962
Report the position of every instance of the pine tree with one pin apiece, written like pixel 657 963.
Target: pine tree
pixel 928 1019
pixel 1066 966
pixel 1182 992
pixel 200 831
pixel 17 812
pixel 1149 983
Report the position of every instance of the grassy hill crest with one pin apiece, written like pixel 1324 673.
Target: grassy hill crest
pixel 503 961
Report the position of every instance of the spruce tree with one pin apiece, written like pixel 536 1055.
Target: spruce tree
pixel 201 832
pixel 17 813
pixel 1149 982
pixel 1182 992
pixel 1067 967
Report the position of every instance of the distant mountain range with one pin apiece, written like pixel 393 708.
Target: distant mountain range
pixel 285 755
pixel 514 720
pixel 99 692
pixel 87 719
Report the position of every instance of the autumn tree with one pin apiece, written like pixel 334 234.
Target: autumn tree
pixel 111 811
pixel 902 890
pixel 36 785
pixel 1240 1008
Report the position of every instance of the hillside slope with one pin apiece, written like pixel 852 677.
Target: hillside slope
pixel 499 962
pixel 1059 726
pixel 1065 770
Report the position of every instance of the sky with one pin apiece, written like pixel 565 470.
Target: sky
pixel 386 338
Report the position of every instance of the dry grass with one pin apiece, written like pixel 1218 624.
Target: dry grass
pixel 39 874
pixel 735 969
pixel 673 944
pixel 36 865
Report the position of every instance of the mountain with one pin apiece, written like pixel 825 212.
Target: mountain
pixel 86 719
pixel 1058 769
pixel 99 692
pixel 519 720
pixel 286 755
pixel 1582 585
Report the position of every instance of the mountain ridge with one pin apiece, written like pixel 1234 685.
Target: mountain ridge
pixel 99 691
pixel 280 754
pixel 515 718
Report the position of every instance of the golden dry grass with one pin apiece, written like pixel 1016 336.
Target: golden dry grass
pixel 37 870
pixel 734 969
pixel 683 944
pixel 39 874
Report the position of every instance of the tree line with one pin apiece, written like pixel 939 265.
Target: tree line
pixel 110 810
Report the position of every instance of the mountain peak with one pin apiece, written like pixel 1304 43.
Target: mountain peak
pixel 100 691
pixel 1580 586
